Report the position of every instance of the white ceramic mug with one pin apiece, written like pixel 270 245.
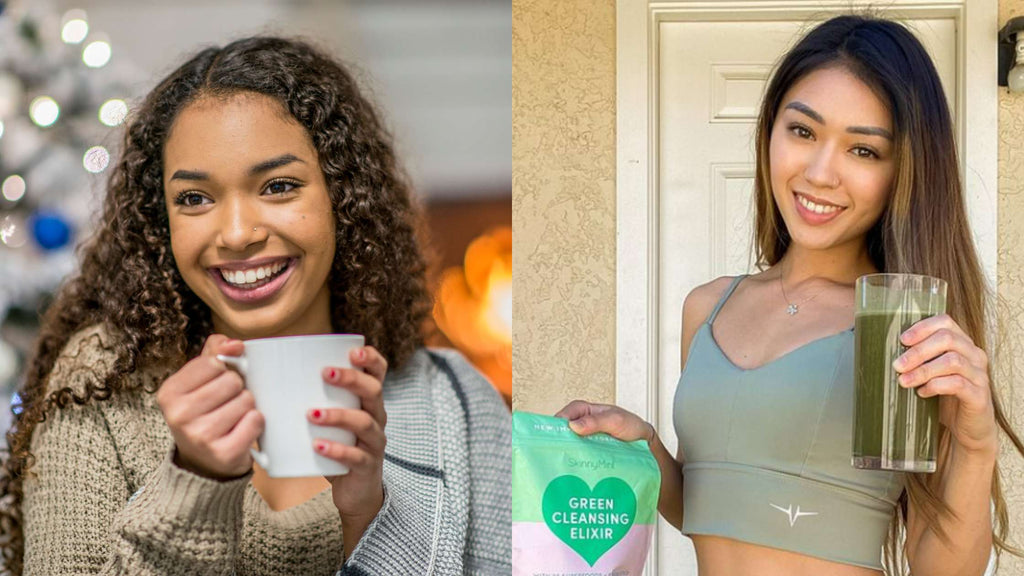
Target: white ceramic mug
pixel 285 377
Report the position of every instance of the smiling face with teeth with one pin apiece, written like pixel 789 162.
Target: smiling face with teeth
pixel 252 227
pixel 832 159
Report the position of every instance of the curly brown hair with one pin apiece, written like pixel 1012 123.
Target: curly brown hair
pixel 128 281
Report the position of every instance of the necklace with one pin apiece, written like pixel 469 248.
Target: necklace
pixel 792 308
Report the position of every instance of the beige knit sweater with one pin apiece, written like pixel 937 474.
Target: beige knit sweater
pixel 104 496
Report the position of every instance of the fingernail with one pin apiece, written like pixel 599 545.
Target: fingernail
pixel 321 447
pixel 898 363
pixel 316 414
pixel 903 379
pixel 332 373
pixel 362 354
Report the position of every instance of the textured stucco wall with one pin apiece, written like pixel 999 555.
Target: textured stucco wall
pixel 563 202
pixel 1011 289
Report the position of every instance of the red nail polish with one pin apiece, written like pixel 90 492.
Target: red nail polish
pixel 321 447
pixel 332 373
pixel 317 414
pixel 362 354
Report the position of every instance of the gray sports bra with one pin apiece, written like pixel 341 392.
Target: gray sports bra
pixel 768 452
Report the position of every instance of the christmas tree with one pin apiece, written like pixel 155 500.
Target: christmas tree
pixel 61 96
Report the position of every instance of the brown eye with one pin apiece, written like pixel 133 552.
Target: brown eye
pixel 281 186
pixel 862 152
pixel 189 199
pixel 801 131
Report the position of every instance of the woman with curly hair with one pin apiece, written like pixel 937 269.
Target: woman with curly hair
pixel 257 195
pixel 856 174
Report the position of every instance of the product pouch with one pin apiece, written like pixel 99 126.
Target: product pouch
pixel 581 506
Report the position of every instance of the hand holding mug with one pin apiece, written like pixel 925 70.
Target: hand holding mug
pixel 212 418
pixel 587 418
pixel 359 494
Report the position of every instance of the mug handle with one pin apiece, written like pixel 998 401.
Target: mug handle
pixel 242 365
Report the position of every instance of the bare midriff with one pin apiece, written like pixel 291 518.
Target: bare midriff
pixel 719 556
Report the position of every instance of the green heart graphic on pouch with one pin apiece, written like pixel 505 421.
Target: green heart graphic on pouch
pixel 589 521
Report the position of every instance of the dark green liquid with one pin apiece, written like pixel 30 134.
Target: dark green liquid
pixel 893 427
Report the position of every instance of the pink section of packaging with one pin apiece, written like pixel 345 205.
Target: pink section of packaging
pixel 536 551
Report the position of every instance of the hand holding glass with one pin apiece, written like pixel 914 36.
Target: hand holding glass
pixel 893 427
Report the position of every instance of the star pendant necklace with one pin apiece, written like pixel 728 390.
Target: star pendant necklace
pixel 792 308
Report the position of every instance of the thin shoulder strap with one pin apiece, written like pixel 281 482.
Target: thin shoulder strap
pixel 721 301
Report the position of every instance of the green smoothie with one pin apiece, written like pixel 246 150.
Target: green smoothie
pixel 893 427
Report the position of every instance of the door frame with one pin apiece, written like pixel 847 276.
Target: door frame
pixel 637 193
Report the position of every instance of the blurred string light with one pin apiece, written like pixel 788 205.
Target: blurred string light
pixel 75 27
pixel 7 228
pixel 96 159
pixel 12 233
pixel 44 111
pixel 13 188
pixel 96 54
pixel 113 112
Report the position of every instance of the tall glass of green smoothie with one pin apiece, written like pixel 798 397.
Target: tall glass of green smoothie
pixel 893 427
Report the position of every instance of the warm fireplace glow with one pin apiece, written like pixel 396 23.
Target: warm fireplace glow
pixel 474 306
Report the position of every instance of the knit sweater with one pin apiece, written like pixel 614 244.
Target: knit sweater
pixel 105 497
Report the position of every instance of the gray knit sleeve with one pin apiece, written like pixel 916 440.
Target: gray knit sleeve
pixel 410 533
pixel 397 541
pixel 468 529
pixel 489 536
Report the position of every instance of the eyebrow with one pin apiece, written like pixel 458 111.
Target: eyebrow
pixel 257 169
pixel 801 107
pixel 865 130
pixel 870 131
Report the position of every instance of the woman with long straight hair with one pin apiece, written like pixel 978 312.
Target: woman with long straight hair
pixel 857 173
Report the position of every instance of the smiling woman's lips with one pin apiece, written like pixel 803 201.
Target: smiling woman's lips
pixel 813 218
pixel 252 295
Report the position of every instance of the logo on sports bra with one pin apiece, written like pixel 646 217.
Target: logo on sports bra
pixel 792 515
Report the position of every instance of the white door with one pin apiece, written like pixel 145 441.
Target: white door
pixel 704 71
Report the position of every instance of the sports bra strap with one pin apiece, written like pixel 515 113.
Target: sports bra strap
pixel 721 301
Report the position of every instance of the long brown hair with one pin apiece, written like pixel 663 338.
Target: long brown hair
pixel 923 230
pixel 130 285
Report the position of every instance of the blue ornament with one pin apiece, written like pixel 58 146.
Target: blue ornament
pixel 50 230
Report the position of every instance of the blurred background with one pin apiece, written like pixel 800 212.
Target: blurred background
pixel 439 70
